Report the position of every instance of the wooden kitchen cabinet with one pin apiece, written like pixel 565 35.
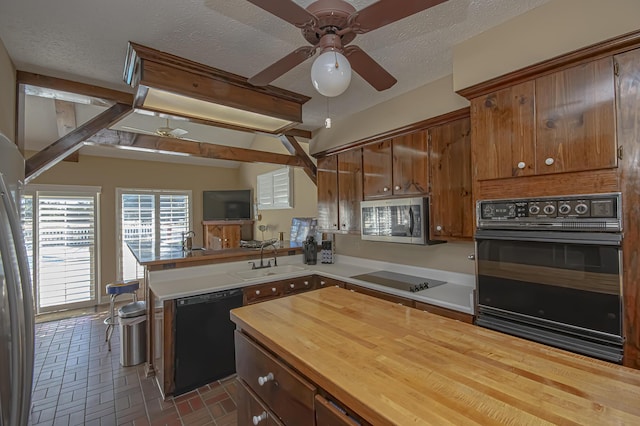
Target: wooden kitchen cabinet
pixel 280 389
pixel 560 122
pixel 377 170
pixel 340 192
pixel 328 193
pixel 411 164
pixel 349 190
pixel 322 282
pixel 229 233
pixel 396 167
pixel 451 182
pixel 449 313
pixel 380 295
pixel 503 133
pixel 575 116
pixel 261 292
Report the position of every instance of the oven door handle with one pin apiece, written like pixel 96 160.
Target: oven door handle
pixel 591 238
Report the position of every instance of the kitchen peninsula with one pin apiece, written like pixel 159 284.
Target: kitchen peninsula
pixel 332 352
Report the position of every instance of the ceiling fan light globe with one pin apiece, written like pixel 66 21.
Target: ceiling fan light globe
pixel 327 78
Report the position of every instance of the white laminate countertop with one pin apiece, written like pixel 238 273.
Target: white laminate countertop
pixel 456 294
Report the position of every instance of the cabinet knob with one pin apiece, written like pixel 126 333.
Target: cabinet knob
pixel 306 283
pixel 322 283
pixel 549 161
pixel 335 225
pixel 257 292
pixel 265 379
pixel 438 228
pixel 273 289
pixel 385 189
pixel 521 165
pixel 258 419
pixel 397 187
pixel 292 285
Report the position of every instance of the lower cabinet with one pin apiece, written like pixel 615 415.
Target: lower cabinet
pixel 251 411
pixel 381 295
pixel 278 388
pixel 449 313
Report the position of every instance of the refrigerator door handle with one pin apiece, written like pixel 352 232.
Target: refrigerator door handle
pixel 19 292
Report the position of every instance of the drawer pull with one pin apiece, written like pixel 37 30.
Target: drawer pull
pixel 257 292
pixel 258 419
pixel 262 380
pixel 306 283
pixel 273 289
pixel 292 285
pixel 322 283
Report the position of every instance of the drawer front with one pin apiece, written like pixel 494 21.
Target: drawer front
pixel 449 313
pixel 287 394
pixel 261 292
pixel 296 285
pixel 251 411
pixel 328 414
pixel 322 282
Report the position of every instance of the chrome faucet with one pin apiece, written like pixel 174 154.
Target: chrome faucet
pixel 268 265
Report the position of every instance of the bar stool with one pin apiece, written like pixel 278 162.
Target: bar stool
pixel 114 290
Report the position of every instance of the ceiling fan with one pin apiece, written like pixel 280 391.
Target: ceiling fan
pixel 164 131
pixel 330 25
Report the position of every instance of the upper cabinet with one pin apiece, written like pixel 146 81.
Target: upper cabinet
pixel 451 200
pixel 396 167
pixel 349 190
pixel 328 193
pixel 575 119
pixel 340 192
pixel 560 122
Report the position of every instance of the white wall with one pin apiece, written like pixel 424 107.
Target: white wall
pixel 8 94
pixel 550 30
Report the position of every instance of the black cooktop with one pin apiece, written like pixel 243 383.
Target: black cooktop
pixel 399 281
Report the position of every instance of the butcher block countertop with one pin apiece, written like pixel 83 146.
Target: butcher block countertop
pixel 402 366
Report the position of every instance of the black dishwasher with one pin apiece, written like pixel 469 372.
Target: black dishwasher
pixel 204 348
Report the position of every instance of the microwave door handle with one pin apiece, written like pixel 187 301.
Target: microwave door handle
pixel 411 224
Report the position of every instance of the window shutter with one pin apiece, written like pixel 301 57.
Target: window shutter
pixel 274 190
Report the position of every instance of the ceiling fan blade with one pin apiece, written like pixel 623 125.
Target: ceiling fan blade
pixel 369 69
pixel 385 12
pixel 285 64
pixel 288 11
pixel 178 133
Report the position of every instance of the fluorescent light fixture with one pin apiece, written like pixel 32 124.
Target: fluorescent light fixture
pixel 44 92
pixel 168 84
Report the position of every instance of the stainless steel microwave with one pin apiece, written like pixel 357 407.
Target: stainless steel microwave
pixel 399 220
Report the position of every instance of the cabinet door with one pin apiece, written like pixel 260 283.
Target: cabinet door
pixel 328 193
pixel 451 201
pixel 349 190
pixel 503 133
pixel 376 166
pixel 410 164
pixel 575 116
pixel 231 236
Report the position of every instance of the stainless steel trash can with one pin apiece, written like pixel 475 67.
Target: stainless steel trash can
pixel 133 333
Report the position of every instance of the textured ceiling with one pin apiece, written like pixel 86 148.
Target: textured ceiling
pixel 86 40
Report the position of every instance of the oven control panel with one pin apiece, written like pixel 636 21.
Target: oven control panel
pixel 574 212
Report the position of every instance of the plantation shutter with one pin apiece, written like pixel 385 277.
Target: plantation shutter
pixel 274 190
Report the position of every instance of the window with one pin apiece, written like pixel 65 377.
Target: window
pixel 149 220
pixel 274 190
pixel 60 225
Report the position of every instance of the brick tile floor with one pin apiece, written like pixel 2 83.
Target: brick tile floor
pixel 77 381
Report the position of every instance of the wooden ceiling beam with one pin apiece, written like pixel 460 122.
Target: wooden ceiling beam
pixel 66 121
pixel 71 142
pixel 294 148
pixel 126 140
pixel 54 83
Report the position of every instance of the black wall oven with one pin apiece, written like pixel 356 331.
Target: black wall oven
pixel 549 270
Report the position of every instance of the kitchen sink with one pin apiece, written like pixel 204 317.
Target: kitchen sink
pixel 267 272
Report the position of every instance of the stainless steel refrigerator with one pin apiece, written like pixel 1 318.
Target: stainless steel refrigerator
pixel 16 302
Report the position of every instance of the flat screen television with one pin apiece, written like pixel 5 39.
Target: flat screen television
pixel 226 205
